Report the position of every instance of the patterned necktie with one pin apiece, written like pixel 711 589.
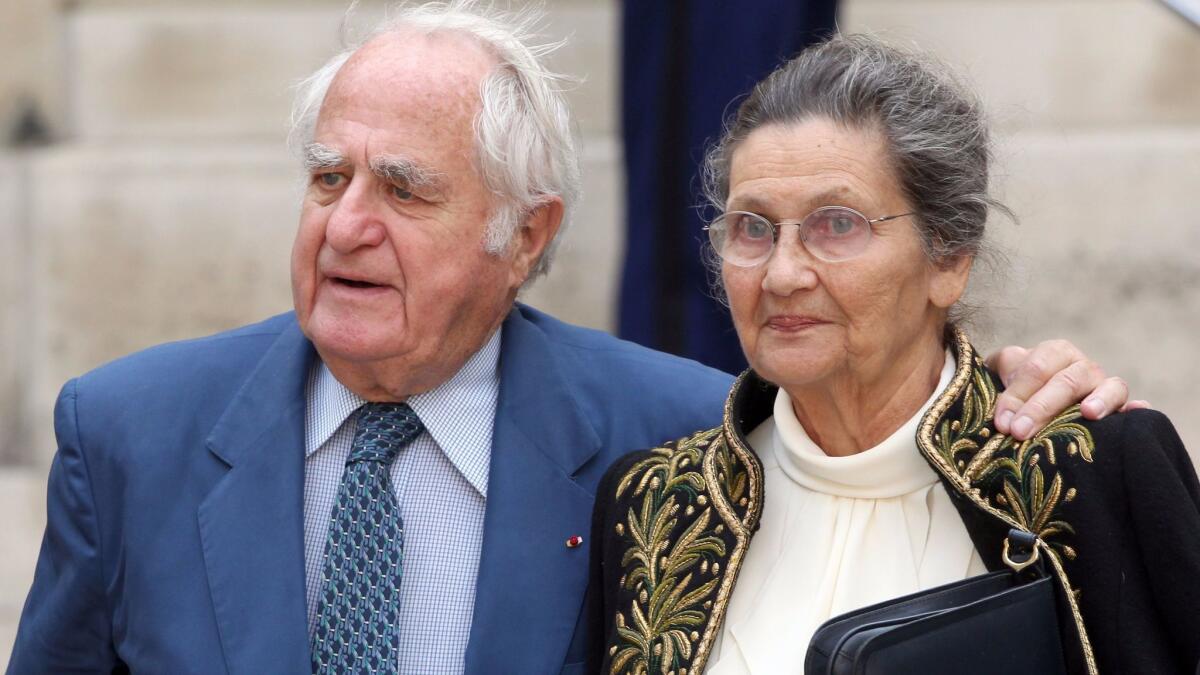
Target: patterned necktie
pixel 358 612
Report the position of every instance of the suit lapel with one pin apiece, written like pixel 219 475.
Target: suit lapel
pixel 251 524
pixel 531 584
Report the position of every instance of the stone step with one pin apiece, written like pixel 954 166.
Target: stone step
pixel 195 72
pixel 1055 63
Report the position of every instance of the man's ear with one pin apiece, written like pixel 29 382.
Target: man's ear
pixel 534 235
pixel 948 281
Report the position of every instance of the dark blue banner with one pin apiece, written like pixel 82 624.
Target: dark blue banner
pixel 683 63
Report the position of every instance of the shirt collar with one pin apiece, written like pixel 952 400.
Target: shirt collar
pixel 458 414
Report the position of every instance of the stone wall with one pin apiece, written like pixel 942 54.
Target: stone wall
pixel 165 207
pixel 169 212
pixel 13 327
pixel 1096 109
pixel 30 43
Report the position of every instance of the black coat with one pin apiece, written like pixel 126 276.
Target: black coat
pixel 1115 504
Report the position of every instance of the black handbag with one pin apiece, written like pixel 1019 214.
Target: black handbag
pixel 1003 622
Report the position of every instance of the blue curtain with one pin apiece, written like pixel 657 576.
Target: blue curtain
pixel 684 65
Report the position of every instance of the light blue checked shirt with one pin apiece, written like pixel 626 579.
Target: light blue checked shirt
pixel 440 482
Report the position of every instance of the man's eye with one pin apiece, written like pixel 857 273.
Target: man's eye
pixel 402 193
pixel 330 180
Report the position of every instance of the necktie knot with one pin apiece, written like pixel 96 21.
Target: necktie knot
pixel 383 429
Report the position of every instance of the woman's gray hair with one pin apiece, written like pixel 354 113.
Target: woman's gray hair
pixel 934 128
pixel 523 135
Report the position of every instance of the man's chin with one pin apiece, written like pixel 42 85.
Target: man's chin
pixel 351 340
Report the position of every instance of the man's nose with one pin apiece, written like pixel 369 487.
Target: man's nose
pixel 356 218
pixel 790 267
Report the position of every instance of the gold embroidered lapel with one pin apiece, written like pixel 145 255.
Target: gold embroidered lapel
pixel 1016 482
pixel 691 508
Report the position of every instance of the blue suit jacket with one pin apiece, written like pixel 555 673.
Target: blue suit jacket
pixel 174 541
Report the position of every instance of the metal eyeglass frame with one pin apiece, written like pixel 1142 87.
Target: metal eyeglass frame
pixel 801 222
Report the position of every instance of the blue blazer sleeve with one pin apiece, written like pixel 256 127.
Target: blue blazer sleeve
pixel 65 625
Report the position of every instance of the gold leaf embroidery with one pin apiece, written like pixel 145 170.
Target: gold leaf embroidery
pixel 662 563
pixel 1001 476
pixel 1010 471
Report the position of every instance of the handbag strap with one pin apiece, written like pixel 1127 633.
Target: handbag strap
pixel 1021 552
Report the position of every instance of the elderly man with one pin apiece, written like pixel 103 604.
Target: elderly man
pixel 396 477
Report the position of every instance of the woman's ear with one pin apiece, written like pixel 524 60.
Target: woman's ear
pixel 948 281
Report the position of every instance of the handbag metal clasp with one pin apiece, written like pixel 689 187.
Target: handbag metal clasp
pixel 1022 541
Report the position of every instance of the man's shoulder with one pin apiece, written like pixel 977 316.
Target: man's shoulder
pixel 599 350
pixel 636 396
pixel 228 355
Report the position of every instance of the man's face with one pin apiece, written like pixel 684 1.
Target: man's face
pixel 388 266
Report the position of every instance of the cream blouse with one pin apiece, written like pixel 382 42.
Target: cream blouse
pixel 837 533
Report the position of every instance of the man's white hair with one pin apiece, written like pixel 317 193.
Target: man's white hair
pixel 525 150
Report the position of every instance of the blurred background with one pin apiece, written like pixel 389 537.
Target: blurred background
pixel 146 193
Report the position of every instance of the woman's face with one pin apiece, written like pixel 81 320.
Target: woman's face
pixel 808 323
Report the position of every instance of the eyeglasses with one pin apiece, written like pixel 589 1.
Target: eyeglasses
pixel 831 233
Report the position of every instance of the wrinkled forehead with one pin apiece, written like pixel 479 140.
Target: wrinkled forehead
pixel 436 76
pixel 816 162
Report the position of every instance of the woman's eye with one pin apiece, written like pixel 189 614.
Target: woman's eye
pixel 841 225
pixel 755 228
pixel 402 193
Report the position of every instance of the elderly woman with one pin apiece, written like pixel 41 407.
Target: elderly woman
pixel 858 459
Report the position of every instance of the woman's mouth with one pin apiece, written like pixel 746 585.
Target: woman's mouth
pixel 793 323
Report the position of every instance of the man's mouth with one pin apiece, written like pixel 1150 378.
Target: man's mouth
pixel 354 283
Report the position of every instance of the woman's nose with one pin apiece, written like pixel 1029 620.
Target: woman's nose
pixel 790 267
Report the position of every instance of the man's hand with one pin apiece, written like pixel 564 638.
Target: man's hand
pixel 1043 381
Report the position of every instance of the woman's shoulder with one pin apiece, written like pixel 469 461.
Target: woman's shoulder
pixel 1074 478
pixel 1132 452
pixel 1071 468
pixel 1128 532
pixel 960 439
pixel 1135 428
pixel 1121 452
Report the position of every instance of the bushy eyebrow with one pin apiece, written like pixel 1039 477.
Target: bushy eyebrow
pixel 391 168
pixel 317 157
pixel 404 171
